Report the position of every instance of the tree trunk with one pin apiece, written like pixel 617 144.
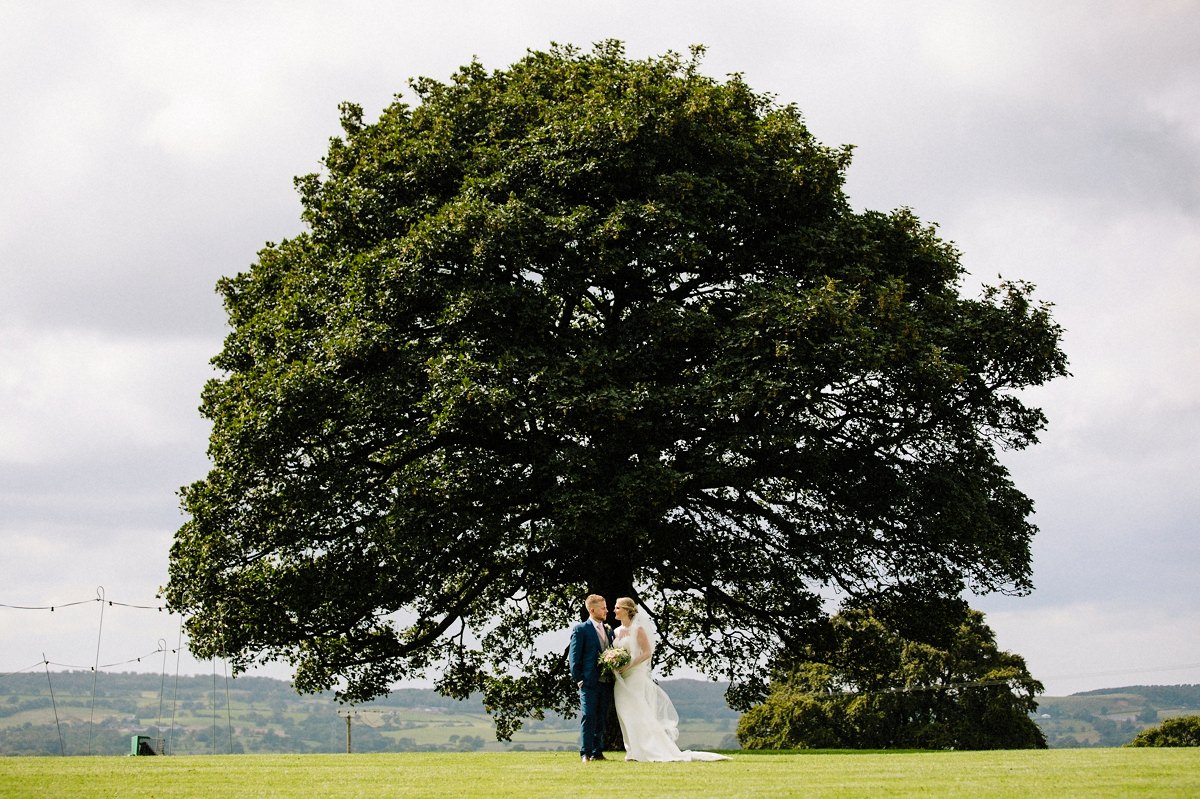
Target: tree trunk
pixel 612 584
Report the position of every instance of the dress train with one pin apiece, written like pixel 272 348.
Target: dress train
pixel 649 722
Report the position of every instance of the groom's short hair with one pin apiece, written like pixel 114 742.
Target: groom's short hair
pixel 593 599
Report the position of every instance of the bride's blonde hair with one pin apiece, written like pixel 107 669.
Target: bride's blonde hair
pixel 629 605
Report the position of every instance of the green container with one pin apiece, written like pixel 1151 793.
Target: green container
pixel 139 745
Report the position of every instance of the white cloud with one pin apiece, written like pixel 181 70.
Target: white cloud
pixel 980 47
pixel 149 150
pixel 1088 645
pixel 75 393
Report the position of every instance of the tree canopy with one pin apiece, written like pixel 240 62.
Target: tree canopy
pixel 876 680
pixel 595 324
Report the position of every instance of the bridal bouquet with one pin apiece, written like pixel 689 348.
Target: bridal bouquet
pixel 613 659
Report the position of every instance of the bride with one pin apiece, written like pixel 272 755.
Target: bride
pixel 649 723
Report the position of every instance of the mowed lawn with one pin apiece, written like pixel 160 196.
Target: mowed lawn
pixel 1056 773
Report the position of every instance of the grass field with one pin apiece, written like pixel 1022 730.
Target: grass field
pixel 1060 774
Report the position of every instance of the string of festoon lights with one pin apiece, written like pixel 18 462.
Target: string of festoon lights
pixel 96 667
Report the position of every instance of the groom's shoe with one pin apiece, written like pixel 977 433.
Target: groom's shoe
pixel 599 757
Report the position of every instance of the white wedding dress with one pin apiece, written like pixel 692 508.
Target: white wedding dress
pixel 649 723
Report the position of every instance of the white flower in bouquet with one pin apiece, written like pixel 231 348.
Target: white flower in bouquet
pixel 614 659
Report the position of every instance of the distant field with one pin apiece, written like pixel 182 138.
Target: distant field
pixel 198 715
pixel 256 715
pixel 1062 774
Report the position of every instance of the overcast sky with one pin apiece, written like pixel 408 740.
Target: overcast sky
pixel 148 148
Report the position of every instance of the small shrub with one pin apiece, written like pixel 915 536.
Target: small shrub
pixel 1179 731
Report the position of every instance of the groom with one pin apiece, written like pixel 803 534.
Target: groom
pixel 588 639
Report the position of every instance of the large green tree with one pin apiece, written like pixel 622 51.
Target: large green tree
pixel 882 679
pixel 599 324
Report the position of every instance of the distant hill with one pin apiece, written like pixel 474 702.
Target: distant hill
pixel 54 714
pixel 1112 716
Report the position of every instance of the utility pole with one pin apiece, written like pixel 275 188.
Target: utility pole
pixel 370 717
pixel 347 714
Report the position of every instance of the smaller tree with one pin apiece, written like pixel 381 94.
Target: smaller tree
pixel 1179 731
pixel 897 676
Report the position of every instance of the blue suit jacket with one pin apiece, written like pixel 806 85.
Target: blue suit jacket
pixel 584 654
